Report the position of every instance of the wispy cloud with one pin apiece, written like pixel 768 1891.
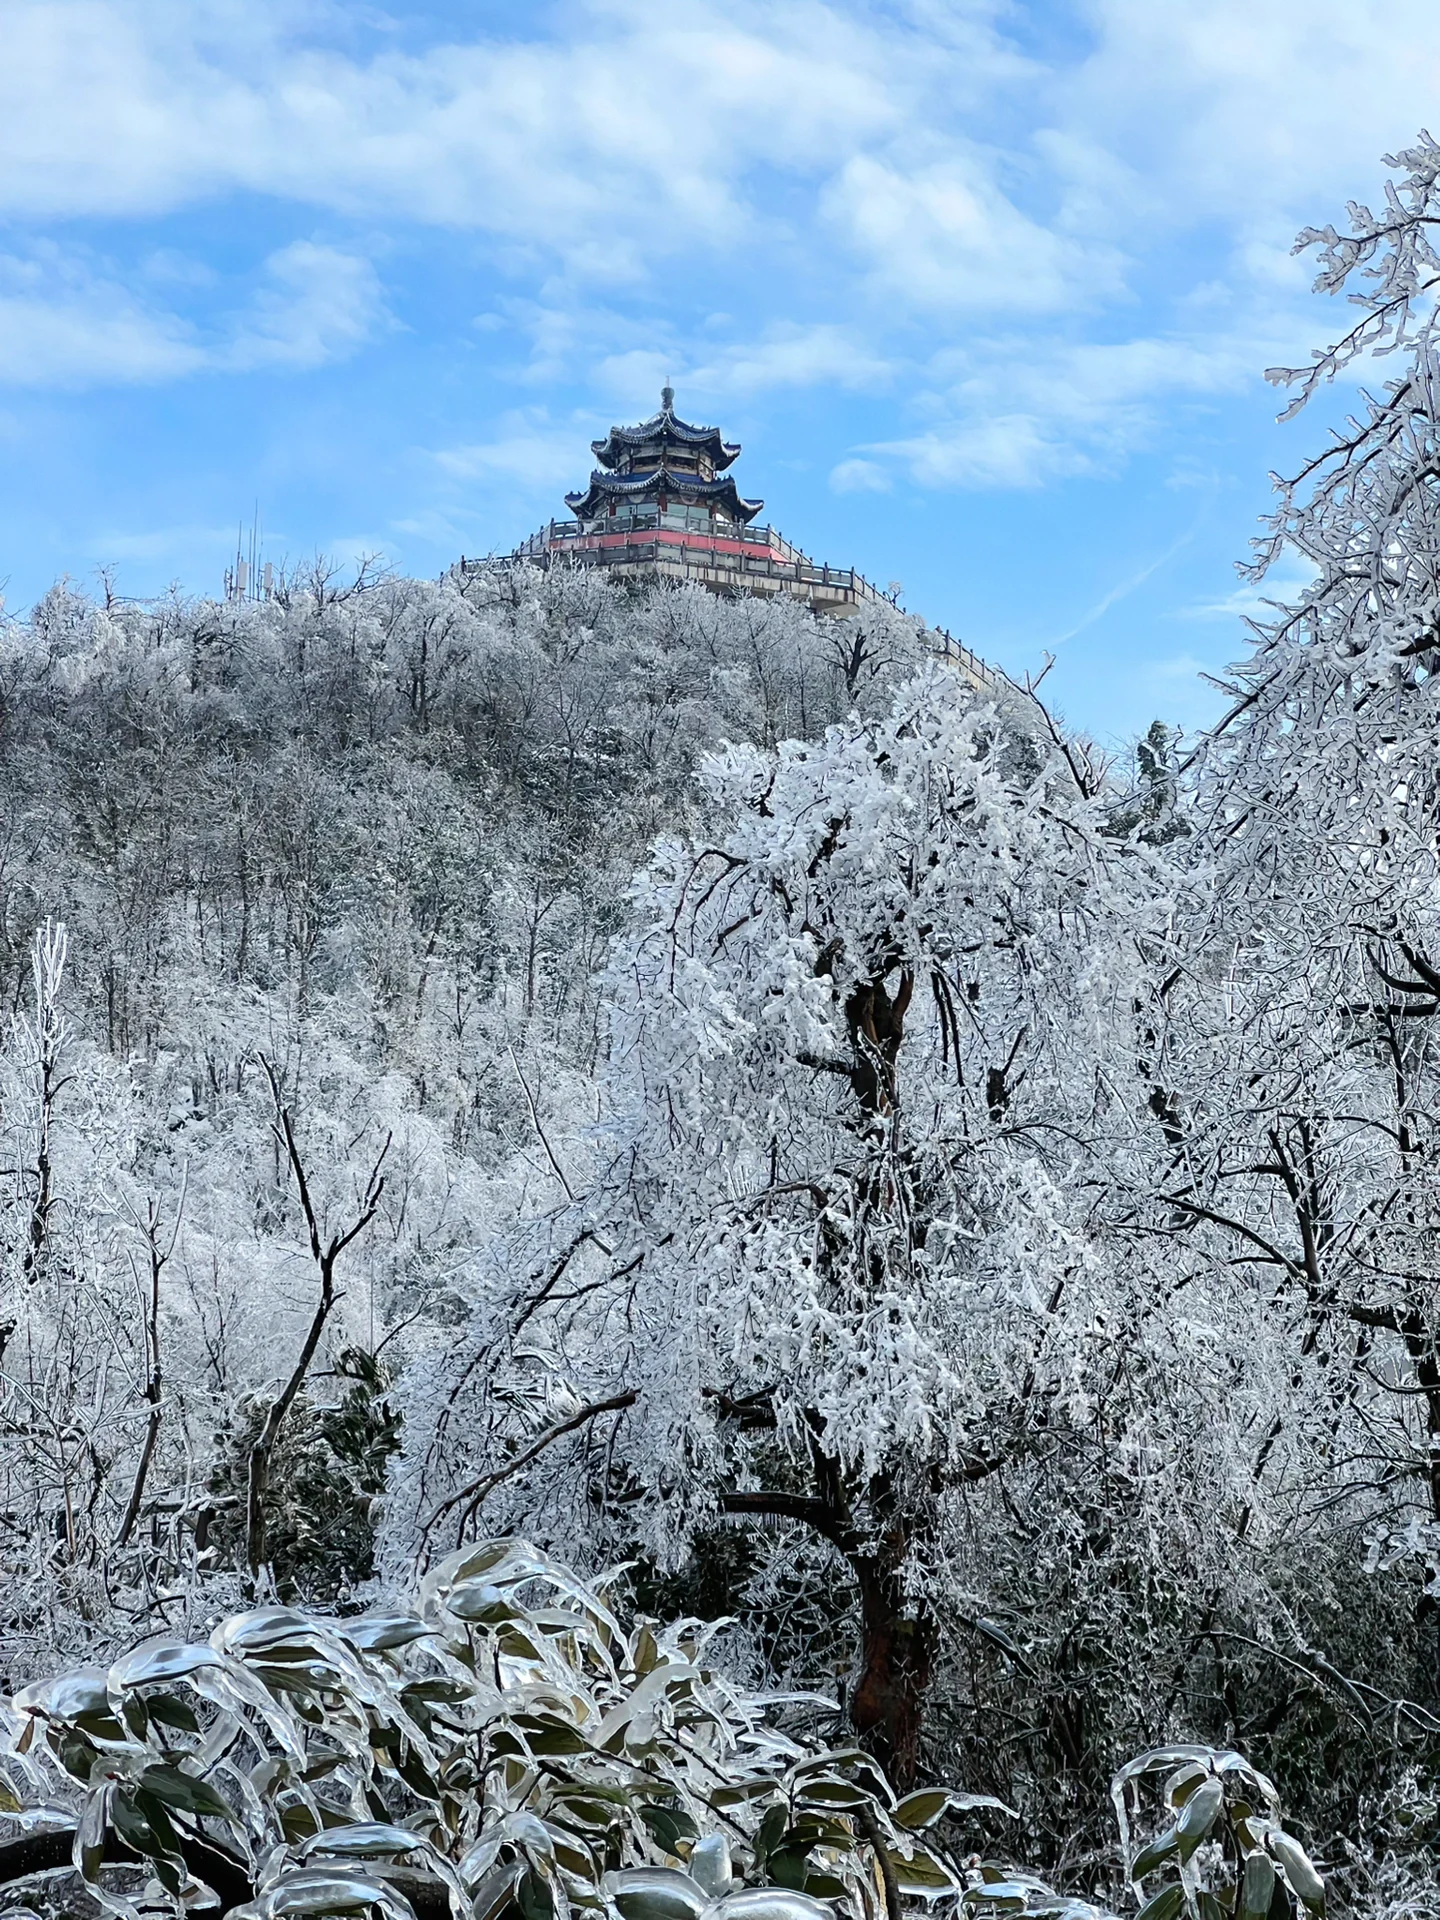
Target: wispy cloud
pixel 315 304
pixel 531 450
pixel 860 476
pixel 66 323
pixel 68 320
pixel 1124 588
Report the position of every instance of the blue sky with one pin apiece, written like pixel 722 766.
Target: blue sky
pixel 985 290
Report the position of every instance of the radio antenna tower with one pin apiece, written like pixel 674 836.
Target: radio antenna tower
pixel 248 578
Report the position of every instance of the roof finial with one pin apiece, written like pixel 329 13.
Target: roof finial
pixel 667 398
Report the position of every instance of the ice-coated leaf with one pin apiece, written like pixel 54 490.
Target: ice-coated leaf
pixel 828 1792
pixel 69 1696
pixel 479 1602
pixel 923 1808
pixel 382 1632
pixel 1198 1816
pixel 1165 1905
pixel 769 1903
pixel 656 1893
pixel 470 1562
pixel 1299 1870
pixel 321 1890
pixel 159 1661
pixel 375 1839
pixel 710 1864
pixel 921 1871
pixel 1257 1887
pixel 494 1893
pixel 263 1630
pixel 1154 1853
pixel 132 1826
pixel 175 1788
pixel 1010 1896
pixel 1159 1760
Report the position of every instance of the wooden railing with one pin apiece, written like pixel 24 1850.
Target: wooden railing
pixel 747 553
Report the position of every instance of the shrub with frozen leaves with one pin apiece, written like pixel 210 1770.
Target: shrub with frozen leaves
pixel 510 1748
pixel 484 1752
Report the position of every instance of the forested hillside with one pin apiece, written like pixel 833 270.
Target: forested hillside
pixel 710 1092
pixel 354 854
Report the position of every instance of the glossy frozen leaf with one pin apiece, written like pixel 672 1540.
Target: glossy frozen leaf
pixel 1198 1816
pixel 710 1864
pixel 1183 1783
pixel 495 1893
pixel 1164 1906
pixel 826 1791
pixel 1160 1760
pixel 156 1662
pixel 1154 1853
pixel 320 1890
pixel 1008 1896
pixel 656 1893
pixel 922 1809
pixel 478 1860
pixel 69 1696
pixel 1299 1870
pixel 769 1903
pixel 921 1871
pixel 1257 1887
pixel 470 1562
pixel 263 1629
pixel 527 1831
pixel 382 1632
pixel 173 1787
pixel 481 1602
pixel 370 1838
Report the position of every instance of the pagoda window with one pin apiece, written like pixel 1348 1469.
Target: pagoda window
pixel 627 514
pixel 691 519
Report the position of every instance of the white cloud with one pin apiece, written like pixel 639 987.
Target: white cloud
pixel 1228 108
pixel 530 451
pixel 635 135
pixel 786 355
pixel 876 166
pixel 860 476
pixel 142 106
pixel 1023 412
pixel 63 324
pixel 942 234
pixel 1001 450
pixel 320 304
pixel 67 320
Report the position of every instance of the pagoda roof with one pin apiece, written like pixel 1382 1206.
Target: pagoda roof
pixel 664 428
pixel 655 481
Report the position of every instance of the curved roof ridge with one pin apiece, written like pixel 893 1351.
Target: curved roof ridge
pixel 665 425
pixel 657 480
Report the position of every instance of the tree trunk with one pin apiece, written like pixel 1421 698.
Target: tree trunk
pixel 887 1708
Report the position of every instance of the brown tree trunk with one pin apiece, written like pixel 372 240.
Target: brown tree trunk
pixel 897 1660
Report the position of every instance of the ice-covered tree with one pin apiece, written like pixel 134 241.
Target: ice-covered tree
pixel 876 1048
pixel 1302 1053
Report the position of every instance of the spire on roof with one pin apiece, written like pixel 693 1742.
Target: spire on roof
pixel 667 399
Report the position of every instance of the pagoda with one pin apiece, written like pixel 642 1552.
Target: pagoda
pixel 663 473
pixel 663 504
